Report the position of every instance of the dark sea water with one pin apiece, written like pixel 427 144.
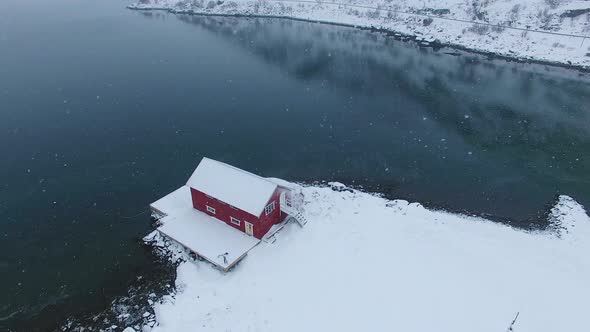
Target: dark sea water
pixel 103 110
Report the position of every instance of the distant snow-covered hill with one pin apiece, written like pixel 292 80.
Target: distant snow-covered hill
pixel 542 30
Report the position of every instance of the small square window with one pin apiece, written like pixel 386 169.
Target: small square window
pixel 234 221
pixel 210 209
pixel 269 208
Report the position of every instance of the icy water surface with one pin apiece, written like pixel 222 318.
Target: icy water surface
pixel 104 110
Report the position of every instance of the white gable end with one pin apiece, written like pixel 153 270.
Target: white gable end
pixel 244 190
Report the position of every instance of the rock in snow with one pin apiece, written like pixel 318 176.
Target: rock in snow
pixel 364 263
pixel 337 186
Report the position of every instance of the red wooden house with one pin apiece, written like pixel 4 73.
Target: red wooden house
pixel 217 192
pixel 245 201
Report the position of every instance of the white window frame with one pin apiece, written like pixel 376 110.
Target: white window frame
pixel 269 208
pixel 235 221
pixel 210 209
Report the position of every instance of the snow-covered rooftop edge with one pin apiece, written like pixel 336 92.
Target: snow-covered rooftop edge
pixel 365 263
pixel 505 28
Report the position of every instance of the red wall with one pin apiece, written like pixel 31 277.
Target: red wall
pixel 266 222
pixel 224 211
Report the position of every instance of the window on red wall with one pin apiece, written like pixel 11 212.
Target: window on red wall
pixel 210 209
pixel 234 221
pixel 269 208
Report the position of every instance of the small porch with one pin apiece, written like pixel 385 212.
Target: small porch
pixel 290 201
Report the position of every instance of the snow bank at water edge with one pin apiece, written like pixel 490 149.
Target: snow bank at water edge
pixel 551 31
pixel 364 263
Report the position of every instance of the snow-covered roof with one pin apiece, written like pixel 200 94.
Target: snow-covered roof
pixel 244 190
pixel 178 200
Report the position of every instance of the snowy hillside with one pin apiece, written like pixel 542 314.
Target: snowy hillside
pixel 364 263
pixel 543 30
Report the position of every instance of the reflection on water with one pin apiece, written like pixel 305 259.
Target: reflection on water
pixel 460 132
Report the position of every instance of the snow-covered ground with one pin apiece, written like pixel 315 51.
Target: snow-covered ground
pixel 364 263
pixel 496 26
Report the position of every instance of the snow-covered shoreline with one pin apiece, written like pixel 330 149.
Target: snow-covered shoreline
pixel 498 28
pixel 367 263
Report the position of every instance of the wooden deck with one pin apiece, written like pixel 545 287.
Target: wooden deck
pixel 207 237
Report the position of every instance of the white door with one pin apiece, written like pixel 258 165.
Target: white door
pixel 249 228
